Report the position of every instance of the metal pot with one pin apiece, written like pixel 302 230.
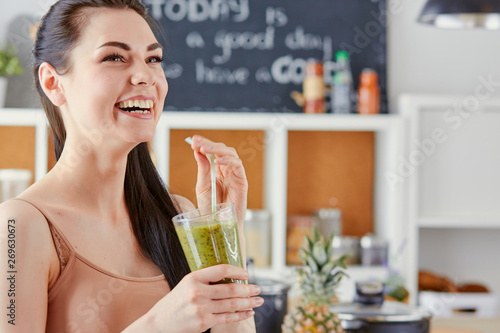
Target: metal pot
pixel 390 317
pixel 371 314
pixel 269 316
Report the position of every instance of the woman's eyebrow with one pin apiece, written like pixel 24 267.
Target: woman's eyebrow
pixel 116 44
pixel 155 46
pixel 126 47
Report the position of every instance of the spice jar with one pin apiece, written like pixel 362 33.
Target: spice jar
pixel 298 227
pixel 313 88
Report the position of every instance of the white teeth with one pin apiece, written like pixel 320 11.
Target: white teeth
pixel 139 111
pixel 143 104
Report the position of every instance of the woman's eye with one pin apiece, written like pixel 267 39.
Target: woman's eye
pixel 114 58
pixel 155 60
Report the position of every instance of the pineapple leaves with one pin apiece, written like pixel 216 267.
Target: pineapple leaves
pixel 320 275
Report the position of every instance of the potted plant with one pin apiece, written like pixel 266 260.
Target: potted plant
pixel 9 65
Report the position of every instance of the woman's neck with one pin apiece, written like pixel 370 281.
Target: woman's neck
pixel 94 177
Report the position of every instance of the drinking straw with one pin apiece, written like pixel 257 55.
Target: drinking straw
pixel 211 157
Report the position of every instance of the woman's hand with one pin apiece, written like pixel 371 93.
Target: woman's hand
pixel 195 305
pixel 232 185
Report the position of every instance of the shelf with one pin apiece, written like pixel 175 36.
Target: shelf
pixel 461 223
pixel 278 121
pixel 355 272
pixel 346 289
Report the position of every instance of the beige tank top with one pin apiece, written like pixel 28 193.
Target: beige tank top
pixel 87 298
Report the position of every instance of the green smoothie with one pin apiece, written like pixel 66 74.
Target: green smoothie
pixel 211 244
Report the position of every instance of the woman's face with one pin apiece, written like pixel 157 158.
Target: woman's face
pixel 116 85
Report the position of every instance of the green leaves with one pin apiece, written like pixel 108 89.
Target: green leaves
pixel 9 62
pixel 320 275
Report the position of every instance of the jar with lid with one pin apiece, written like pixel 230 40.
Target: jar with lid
pixel 346 245
pixel 328 221
pixel 258 236
pixel 374 250
pixel 297 228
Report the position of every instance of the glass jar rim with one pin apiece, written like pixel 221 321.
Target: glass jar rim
pixel 203 213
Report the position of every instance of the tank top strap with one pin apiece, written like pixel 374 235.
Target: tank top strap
pixel 62 245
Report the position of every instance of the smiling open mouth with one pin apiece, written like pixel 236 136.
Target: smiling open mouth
pixel 136 106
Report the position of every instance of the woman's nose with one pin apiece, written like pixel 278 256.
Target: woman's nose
pixel 142 75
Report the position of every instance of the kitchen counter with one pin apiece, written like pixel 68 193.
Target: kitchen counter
pixel 465 325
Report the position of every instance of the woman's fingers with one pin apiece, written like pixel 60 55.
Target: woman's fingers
pixel 217 149
pixel 232 317
pixel 236 304
pixel 219 272
pixel 223 291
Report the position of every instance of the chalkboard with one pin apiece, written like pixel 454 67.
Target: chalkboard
pixel 249 55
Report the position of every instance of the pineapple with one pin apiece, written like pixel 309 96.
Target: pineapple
pixel 317 280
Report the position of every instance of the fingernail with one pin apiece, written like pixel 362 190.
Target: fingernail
pixel 258 301
pixel 256 289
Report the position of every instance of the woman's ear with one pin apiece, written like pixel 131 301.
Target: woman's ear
pixel 50 83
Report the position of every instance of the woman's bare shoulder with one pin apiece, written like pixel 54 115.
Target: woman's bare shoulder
pixel 182 203
pixel 29 225
pixel 19 209
pixel 32 261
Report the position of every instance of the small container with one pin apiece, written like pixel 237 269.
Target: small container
pixel 258 236
pixel 369 92
pixel 346 245
pixel 313 87
pixel 298 227
pixel 13 182
pixel 329 221
pixel 374 251
pixel 269 316
pixel 342 93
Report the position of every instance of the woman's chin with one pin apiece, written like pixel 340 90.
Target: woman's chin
pixel 140 137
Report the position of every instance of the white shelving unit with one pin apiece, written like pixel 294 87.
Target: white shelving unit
pixel 453 191
pixel 276 127
pixel 388 147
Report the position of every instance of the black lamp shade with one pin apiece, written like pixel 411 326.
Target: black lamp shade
pixel 462 14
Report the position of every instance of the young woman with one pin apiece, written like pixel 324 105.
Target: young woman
pixel 94 249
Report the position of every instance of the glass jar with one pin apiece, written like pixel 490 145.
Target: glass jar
pixel 328 220
pixel 258 236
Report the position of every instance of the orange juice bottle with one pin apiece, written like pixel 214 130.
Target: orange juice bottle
pixel 369 92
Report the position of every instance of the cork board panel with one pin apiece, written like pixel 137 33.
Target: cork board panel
pixel 332 170
pixel 17 148
pixel 248 144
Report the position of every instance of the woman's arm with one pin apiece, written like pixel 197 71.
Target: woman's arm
pixel 28 265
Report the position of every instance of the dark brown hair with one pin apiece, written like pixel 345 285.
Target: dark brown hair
pixel 149 204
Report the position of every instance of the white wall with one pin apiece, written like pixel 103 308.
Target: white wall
pixel 423 59
pixel 15 19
